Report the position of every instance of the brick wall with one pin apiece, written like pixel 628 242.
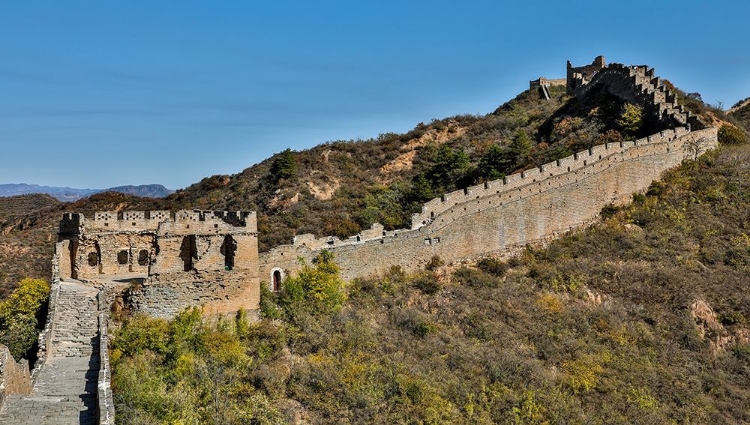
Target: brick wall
pixel 526 207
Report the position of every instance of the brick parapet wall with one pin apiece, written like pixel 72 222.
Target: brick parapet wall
pixel 639 85
pixel 45 336
pixel 14 376
pixel 104 397
pixel 511 184
pixel 151 221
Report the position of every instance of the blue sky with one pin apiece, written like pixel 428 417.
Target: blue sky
pixel 106 93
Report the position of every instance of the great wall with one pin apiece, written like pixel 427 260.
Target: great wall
pixel 160 262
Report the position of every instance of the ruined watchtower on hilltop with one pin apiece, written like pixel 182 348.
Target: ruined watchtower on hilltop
pixel 182 258
pixel 582 75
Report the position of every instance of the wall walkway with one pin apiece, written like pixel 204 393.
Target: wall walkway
pixel 65 387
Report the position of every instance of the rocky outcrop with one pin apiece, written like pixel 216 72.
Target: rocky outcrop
pixel 710 328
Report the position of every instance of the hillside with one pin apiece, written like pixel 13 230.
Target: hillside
pixel 642 318
pixel 22 205
pixel 741 113
pixel 341 187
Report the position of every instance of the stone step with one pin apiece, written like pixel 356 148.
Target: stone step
pixel 65 389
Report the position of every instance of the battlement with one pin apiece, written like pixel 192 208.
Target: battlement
pixel 500 216
pixel 151 221
pixel 133 215
pixel 308 240
pixel 508 184
pixel 636 84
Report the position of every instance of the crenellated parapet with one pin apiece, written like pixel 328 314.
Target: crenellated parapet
pixel 581 75
pixel 513 182
pixel 183 258
pixel 151 221
pixel 502 215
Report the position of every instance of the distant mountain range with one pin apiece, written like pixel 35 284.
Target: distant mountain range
pixel 69 194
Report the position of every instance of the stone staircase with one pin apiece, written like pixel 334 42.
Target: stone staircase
pixel 647 89
pixel 65 389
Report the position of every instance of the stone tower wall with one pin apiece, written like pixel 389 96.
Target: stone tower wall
pixel 219 270
pixel 581 75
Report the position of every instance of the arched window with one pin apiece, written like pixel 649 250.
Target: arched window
pixel 93 259
pixel 123 257
pixel 143 257
pixel 276 284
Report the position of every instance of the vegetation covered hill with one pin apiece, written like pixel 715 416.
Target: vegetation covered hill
pixel 339 188
pixel 642 318
pixel 23 205
pixel 741 113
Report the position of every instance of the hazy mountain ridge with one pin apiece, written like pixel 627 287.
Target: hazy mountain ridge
pixel 69 194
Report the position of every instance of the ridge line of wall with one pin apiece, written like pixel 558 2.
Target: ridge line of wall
pixel 646 161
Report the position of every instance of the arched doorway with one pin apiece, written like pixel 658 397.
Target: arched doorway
pixel 276 281
pixel 228 250
pixel 188 252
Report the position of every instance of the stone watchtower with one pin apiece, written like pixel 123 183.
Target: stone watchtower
pixel 183 258
pixel 581 75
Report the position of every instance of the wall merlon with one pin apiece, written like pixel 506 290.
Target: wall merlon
pixel 532 174
pixel 599 151
pixel 512 181
pixel 71 223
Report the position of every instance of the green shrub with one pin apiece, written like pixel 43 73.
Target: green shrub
pixel 21 316
pixel 475 278
pixel 316 290
pixel 283 167
pixel 608 211
pixel 434 263
pixel 492 266
pixel 427 283
pixel 631 119
pixel 731 135
pixel 140 333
